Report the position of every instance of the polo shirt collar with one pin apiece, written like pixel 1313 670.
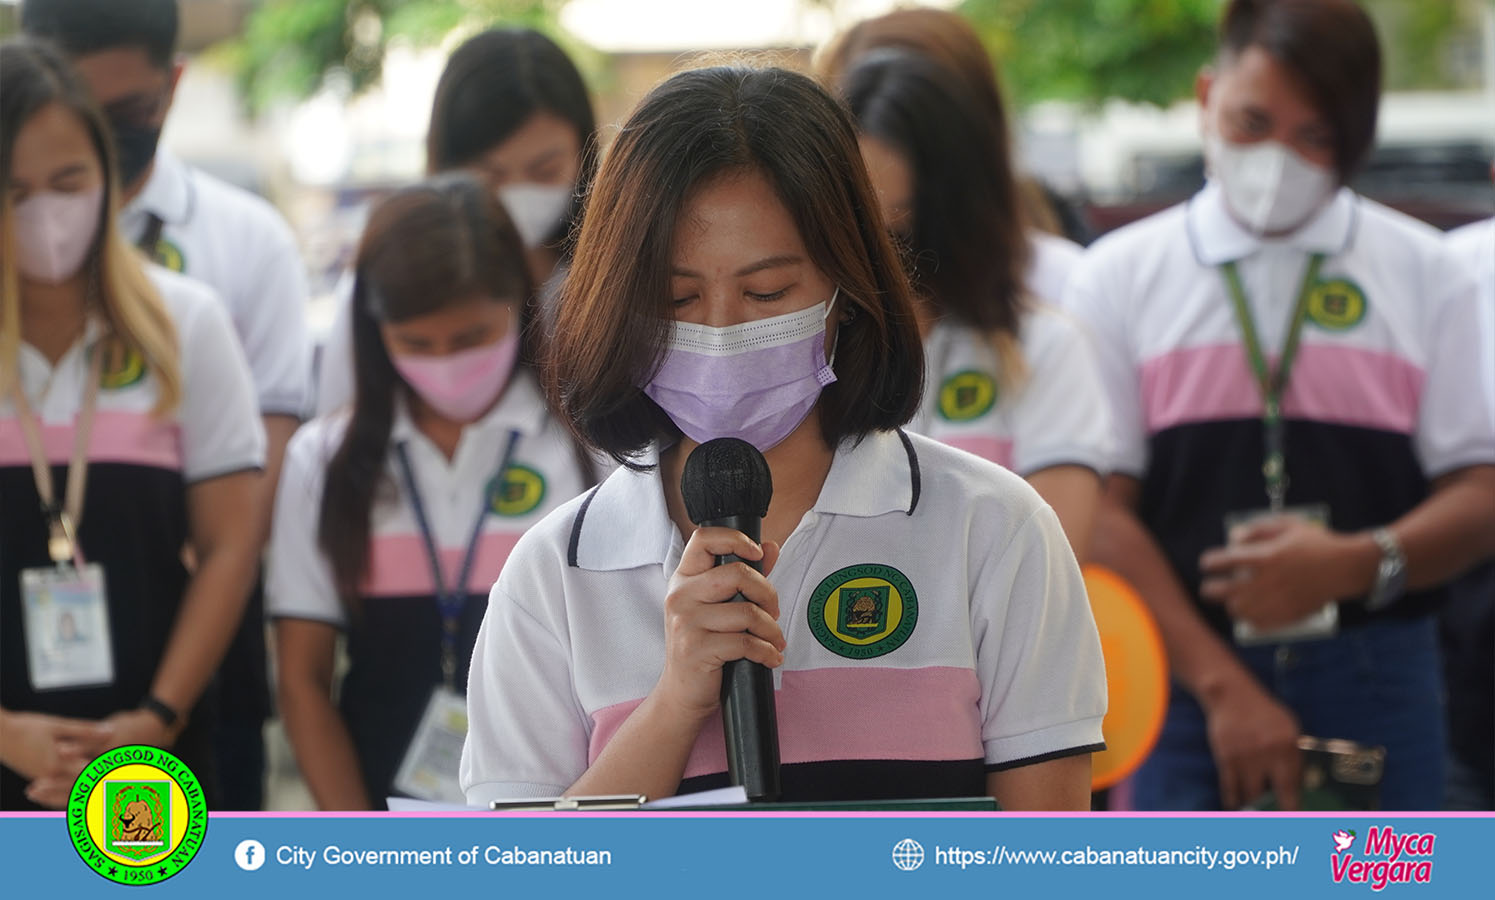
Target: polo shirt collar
pixel 624 523
pixel 1218 238
pixel 167 193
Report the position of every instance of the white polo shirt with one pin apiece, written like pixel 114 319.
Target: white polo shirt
pixel 135 511
pixel 937 629
pixel 1057 415
pixel 1052 261
pixel 1475 244
pixel 1383 396
pixel 238 245
pixel 394 642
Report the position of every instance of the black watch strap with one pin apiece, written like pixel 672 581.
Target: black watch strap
pixel 165 713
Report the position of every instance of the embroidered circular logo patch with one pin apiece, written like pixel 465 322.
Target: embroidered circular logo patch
pixel 122 370
pixel 967 395
pixel 136 815
pixel 169 255
pixel 1337 304
pixel 522 491
pixel 863 611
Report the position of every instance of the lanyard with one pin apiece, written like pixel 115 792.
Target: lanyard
pixel 62 518
pixel 150 240
pixel 450 599
pixel 1272 382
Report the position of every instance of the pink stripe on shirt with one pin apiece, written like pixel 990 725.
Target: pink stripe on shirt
pixel 997 450
pixel 133 438
pixel 398 566
pixel 1329 383
pixel 855 712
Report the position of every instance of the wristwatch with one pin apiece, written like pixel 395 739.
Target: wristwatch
pixel 1391 574
pixel 160 709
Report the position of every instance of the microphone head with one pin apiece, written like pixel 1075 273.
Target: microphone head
pixel 726 477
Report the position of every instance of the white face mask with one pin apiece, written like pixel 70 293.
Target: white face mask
pixel 536 209
pixel 1269 188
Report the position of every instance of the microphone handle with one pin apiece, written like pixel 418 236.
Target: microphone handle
pixel 749 717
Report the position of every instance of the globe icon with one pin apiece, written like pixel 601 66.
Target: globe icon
pixel 908 854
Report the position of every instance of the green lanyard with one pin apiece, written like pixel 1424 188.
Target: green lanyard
pixel 1272 382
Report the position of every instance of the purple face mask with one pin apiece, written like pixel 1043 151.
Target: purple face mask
pixel 54 231
pixel 460 386
pixel 755 381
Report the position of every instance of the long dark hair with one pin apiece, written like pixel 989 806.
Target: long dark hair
pixel 444 241
pixel 968 245
pixel 615 309
pixel 491 86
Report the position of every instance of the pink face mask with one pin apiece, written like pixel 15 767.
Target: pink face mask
pixel 461 386
pixel 54 232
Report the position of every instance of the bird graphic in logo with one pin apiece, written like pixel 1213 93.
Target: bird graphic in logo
pixel 1342 840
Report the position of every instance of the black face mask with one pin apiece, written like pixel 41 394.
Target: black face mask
pixel 136 147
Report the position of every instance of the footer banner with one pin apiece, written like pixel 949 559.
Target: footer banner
pixel 144 839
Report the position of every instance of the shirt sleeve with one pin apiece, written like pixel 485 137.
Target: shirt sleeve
pixel 1097 307
pixel 221 428
pixel 527 734
pixel 272 325
pixel 1061 416
pixel 1454 427
pixel 298 577
pixel 1038 655
pixel 335 366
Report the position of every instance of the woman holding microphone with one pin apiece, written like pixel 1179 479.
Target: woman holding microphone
pixel 733 278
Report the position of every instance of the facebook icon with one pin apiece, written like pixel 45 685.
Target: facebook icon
pixel 250 855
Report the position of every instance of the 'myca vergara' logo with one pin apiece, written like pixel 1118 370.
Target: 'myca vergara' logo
pixel 1391 858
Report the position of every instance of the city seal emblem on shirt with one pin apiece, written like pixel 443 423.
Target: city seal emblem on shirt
pixel 863 611
pixel 967 395
pixel 1336 304
pixel 521 493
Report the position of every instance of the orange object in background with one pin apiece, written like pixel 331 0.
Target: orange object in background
pixel 1136 676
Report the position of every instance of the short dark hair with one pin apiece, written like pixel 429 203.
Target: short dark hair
pixel 81 27
pixel 492 85
pixel 615 310
pixel 968 248
pixel 446 240
pixel 1331 46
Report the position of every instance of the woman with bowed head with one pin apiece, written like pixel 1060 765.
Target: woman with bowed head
pixel 128 431
pixel 1008 376
pixel 512 110
pixel 394 517
pixel 923 616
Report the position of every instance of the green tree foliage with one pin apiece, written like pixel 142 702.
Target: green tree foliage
pixel 1146 51
pixel 290 47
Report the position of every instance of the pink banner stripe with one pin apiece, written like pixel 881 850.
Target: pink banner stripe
pixel 997 450
pixel 134 438
pixel 1336 384
pixel 848 713
pixel 398 566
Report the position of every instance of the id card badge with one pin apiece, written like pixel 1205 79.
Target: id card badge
pixel 1323 623
pixel 66 616
pixel 429 769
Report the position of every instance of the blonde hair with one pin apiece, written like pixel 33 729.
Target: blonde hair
pixel 135 317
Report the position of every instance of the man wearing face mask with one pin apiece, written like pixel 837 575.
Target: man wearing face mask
pixel 220 235
pixel 1306 456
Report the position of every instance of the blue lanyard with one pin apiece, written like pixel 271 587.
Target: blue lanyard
pixel 450 601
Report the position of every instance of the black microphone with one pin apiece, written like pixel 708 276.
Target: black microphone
pixel 726 484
